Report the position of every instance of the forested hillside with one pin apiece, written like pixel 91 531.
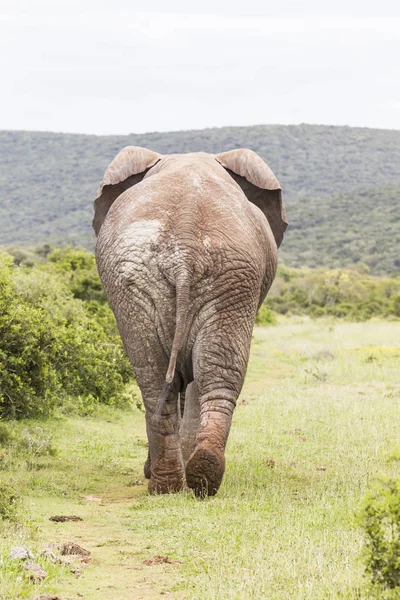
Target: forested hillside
pixel 341 186
pixel 346 228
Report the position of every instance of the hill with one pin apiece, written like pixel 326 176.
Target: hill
pixel 361 226
pixel 341 186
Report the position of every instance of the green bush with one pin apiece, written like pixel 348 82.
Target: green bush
pixel 350 293
pixel 395 305
pixel 6 434
pixel 52 345
pixel 9 499
pixel 79 267
pixel 380 518
pixel 265 316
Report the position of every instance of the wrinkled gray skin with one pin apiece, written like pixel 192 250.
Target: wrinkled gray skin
pixel 186 257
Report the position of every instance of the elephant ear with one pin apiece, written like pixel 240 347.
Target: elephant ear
pixel 259 184
pixel 127 169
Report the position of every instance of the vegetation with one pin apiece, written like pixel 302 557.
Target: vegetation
pixel 381 520
pixel 341 186
pixel 8 501
pixel 265 316
pixel 58 339
pixel 350 293
pixel 361 226
pixel 316 424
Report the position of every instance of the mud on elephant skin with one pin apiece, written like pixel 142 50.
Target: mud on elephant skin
pixel 187 251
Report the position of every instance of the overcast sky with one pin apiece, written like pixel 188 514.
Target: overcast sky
pixel 96 66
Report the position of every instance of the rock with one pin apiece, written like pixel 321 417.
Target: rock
pixel 71 548
pixel 20 553
pixel 51 553
pixel 36 573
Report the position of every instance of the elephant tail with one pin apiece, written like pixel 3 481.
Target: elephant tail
pixel 182 308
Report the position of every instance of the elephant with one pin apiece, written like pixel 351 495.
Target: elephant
pixel 186 251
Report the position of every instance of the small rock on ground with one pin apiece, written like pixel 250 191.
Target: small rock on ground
pixel 36 573
pixel 20 553
pixel 72 548
pixel 51 553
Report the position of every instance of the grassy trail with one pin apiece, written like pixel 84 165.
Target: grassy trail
pixel 317 421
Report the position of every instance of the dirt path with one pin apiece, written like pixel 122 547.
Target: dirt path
pixel 122 564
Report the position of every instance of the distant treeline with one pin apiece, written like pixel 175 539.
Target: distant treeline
pixel 341 186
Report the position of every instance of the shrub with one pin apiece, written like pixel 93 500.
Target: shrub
pixel 6 434
pixel 265 316
pixel 80 271
pixel 26 346
pixel 9 499
pixel 380 518
pixel 52 346
pixel 395 305
pixel 349 293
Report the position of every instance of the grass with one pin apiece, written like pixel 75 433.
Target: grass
pixel 317 422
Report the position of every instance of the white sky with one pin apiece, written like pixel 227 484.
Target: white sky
pixel 97 66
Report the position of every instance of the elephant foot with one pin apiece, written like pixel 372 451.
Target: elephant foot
pixel 166 485
pixel 204 471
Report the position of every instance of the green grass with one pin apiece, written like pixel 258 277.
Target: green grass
pixel 317 422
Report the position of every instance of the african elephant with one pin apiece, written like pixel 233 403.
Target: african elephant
pixel 187 251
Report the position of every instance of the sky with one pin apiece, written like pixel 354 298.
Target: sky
pixel 119 67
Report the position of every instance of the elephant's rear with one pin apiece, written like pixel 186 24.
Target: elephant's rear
pixel 186 255
pixel 183 266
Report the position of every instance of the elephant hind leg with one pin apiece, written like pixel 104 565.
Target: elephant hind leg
pixel 147 464
pixel 206 465
pixel 145 346
pixel 167 473
pixel 164 465
pixel 221 351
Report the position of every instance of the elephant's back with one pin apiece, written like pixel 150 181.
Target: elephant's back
pixel 188 219
pixel 153 234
